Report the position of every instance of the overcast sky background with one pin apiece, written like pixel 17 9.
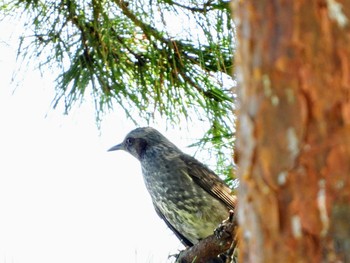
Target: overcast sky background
pixel 63 197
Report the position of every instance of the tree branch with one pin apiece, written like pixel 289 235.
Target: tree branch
pixel 209 249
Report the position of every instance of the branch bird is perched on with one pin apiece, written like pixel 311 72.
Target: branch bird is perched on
pixel 188 196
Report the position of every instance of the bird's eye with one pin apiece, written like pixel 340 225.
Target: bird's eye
pixel 129 141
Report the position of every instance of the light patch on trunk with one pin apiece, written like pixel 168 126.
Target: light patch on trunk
pixel 321 202
pixel 267 85
pixel 293 142
pixel 282 178
pixel 336 13
pixel 275 100
pixel 296 226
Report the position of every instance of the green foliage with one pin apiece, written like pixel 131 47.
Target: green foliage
pixel 164 57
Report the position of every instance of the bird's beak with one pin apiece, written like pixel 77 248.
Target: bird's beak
pixel 116 148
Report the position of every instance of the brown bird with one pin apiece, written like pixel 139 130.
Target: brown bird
pixel 186 194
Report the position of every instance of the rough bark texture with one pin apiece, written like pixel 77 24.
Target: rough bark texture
pixel 293 150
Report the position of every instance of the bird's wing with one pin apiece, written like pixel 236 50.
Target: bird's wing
pixel 209 181
pixel 183 239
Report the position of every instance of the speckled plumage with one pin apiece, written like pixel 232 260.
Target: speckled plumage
pixel 187 195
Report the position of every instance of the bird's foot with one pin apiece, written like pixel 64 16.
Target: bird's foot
pixel 224 230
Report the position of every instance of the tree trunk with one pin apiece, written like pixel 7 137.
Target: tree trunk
pixel 293 142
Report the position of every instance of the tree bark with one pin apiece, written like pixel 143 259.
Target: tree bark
pixel 293 135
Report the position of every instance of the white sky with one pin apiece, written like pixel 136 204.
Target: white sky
pixel 63 198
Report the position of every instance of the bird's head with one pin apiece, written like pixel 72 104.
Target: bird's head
pixel 139 140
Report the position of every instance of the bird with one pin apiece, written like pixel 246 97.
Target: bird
pixel 190 198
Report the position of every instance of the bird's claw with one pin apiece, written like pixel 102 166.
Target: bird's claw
pixel 224 230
